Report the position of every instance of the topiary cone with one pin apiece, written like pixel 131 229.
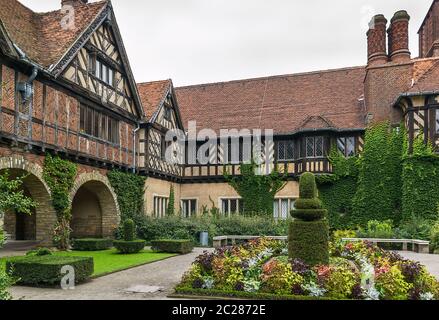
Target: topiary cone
pixel 309 231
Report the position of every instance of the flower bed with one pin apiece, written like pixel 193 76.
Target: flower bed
pixel 261 269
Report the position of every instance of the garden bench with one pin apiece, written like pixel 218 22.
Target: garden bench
pixel 418 246
pixel 222 241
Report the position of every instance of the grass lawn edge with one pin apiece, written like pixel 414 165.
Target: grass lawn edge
pixel 131 267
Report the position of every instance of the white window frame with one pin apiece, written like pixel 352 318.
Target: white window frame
pixel 229 199
pixel 160 202
pixel 182 200
pixel 279 201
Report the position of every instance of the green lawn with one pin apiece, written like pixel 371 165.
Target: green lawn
pixel 109 261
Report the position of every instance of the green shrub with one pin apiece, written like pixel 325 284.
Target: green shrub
pixel 309 231
pixel 46 270
pixel 313 203
pixel 434 237
pixel 39 252
pixel 414 228
pixel 343 234
pixel 377 229
pixel 2 238
pixel 309 214
pixel 308 188
pixel 92 244
pixel 172 246
pixel 181 228
pixel 129 230
pixel 5 282
pixel 308 241
pixel 392 285
pixel 128 247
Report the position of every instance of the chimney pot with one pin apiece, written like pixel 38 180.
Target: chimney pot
pixel 399 37
pixel 376 41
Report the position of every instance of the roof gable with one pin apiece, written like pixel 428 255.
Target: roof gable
pixel 154 96
pixel 41 36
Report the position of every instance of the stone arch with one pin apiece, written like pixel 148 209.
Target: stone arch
pixel 35 186
pixel 95 210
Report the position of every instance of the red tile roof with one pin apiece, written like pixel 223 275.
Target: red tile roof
pixel 41 35
pixel 427 78
pixel 152 95
pixel 289 103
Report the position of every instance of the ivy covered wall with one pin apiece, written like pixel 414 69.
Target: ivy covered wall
pixel 379 187
pixel 420 176
pixel 257 190
pixel 337 191
pixel 130 189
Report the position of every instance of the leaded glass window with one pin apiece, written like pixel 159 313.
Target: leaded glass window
pixel 285 150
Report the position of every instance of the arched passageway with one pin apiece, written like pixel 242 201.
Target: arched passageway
pixel 95 213
pixel 39 225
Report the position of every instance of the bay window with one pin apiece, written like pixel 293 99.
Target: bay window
pixel 285 150
pixel 314 147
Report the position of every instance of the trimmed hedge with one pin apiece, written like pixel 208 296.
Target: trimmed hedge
pixel 92 244
pixel 187 291
pixel 46 270
pixel 129 230
pixel 309 231
pixel 172 246
pixel 308 241
pixel 127 247
pixel 309 214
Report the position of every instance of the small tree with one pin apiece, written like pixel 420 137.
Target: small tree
pixel 11 198
pixel 309 231
pixel 171 203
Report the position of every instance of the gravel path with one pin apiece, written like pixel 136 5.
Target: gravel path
pixel 164 274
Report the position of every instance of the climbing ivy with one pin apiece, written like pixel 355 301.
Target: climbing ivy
pixel 129 189
pixel 420 196
pixel 378 195
pixel 60 175
pixel 171 202
pixel 338 189
pixel 257 191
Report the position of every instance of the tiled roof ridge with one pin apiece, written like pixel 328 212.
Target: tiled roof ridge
pixel 152 82
pixel 317 72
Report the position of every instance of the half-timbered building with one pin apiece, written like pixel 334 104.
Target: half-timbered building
pixel 67 88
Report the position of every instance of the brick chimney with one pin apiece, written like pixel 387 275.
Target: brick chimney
pixel 73 2
pixel 399 37
pixel 429 33
pixel 376 41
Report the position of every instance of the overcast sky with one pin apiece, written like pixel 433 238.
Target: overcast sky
pixel 200 41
